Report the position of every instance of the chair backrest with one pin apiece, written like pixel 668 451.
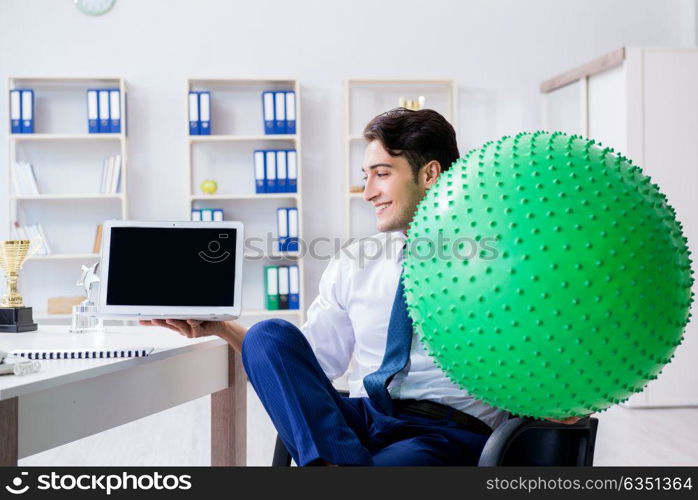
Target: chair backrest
pixel 535 443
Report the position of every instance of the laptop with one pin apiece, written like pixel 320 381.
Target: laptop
pixel 171 270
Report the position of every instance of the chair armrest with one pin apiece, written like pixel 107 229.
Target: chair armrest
pixel 498 442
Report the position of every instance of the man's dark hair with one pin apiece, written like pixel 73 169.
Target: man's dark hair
pixel 421 136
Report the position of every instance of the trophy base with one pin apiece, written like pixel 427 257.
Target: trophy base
pixel 17 319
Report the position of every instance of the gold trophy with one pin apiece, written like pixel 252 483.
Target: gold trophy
pixel 413 104
pixel 14 317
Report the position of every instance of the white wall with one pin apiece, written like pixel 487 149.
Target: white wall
pixel 498 51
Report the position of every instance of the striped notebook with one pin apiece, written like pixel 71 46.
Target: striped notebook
pixel 134 352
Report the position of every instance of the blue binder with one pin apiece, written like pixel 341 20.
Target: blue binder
pixel 294 300
pixel 92 111
pixel 292 229
pixel 193 113
pixel 16 111
pixel 103 107
pixel 270 172
pixel 114 111
pixel 205 113
pixel 292 169
pixel 259 182
pixel 27 111
pixel 282 228
pixel 281 172
pixel 268 112
pixel 290 112
pixel 279 112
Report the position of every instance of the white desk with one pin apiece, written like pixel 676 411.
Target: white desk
pixel 71 399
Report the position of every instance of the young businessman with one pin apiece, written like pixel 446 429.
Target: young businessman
pixel 402 409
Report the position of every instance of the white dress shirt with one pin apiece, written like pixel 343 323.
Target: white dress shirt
pixel 350 317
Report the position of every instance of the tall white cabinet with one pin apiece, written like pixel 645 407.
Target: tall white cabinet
pixel 643 102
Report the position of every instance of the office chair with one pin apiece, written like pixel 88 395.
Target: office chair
pixel 522 442
pixel 528 442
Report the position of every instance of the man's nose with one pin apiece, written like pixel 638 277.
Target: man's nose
pixel 370 191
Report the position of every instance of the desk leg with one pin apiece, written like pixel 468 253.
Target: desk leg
pixel 8 432
pixel 229 417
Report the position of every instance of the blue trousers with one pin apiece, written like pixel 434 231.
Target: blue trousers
pixel 317 423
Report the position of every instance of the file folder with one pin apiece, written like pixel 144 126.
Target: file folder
pixel 116 180
pixel 114 111
pixel 270 173
pixel 16 111
pixel 282 228
pixel 292 169
pixel 103 108
pixel 196 215
pixel 281 172
pixel 217 215
pixel 193 113
pixel 292 230
pixel 290 112
pixel 283 287
pixel 268 112
pixel 92 112
pixel 271 286
pixel 279 112
pixel 205 113
pixel 27 111
pixel 259 172
pixel 294 301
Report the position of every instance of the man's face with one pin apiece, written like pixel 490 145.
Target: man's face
pixel 391 187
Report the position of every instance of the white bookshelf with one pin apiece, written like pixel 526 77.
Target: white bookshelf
pixel 364 98
pixel 67 161
pixel 226 156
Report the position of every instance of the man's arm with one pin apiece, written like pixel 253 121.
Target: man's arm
pixel 230 331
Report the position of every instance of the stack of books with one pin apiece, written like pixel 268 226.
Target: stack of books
pixel 104 111
pixel 279 112
pixel 282 286
pixel 111 175
pixel 32 232
pixel 275 171
pixel 24 179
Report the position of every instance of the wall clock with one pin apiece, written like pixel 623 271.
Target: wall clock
pixel 94 7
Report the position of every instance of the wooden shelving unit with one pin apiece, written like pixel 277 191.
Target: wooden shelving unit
pixel 69 206
pixel 365 98
pixel 227 155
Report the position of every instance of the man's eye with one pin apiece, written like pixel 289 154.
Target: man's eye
pixel 382 175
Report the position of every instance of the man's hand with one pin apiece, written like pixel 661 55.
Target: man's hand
pixel 190 328
pixel 567 421
pixel 230 331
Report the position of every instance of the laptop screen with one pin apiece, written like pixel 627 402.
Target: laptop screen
pixel 171 267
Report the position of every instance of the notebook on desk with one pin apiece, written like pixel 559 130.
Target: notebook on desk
pixel 124 352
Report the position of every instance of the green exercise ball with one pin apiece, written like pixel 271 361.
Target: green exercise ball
pixel 547 276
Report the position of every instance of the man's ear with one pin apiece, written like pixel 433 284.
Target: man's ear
pixel 430 173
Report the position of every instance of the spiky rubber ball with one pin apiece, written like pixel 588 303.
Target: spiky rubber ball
pixel 547 275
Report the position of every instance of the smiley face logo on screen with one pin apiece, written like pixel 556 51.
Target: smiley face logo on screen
pixel 17 488
pixel 214 247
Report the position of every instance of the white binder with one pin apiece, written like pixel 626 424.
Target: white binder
pixel 103 111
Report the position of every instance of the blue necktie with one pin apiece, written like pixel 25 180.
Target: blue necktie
pixel 397 352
